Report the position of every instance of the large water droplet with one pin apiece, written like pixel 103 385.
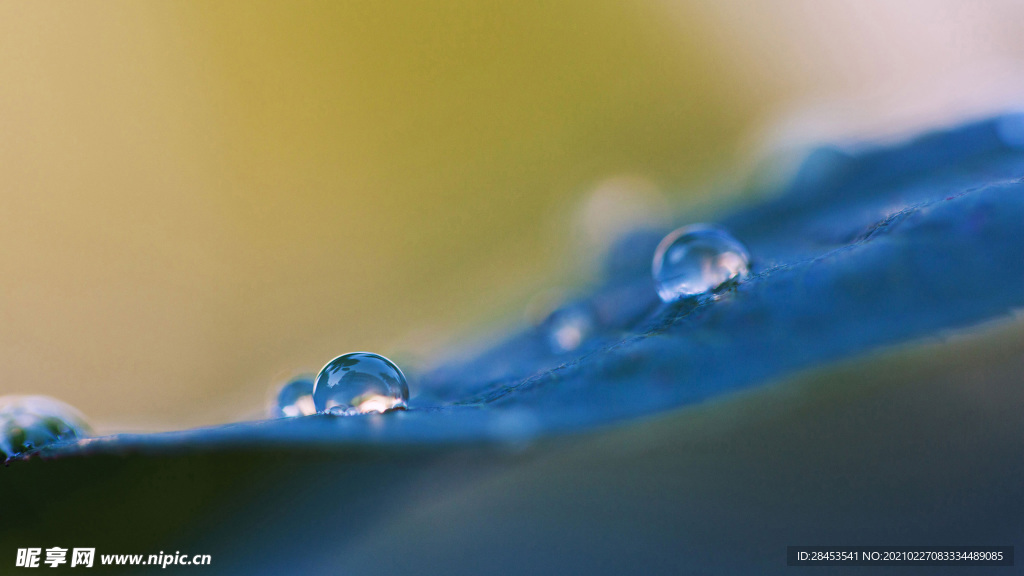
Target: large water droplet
pixel 294 399
pixel 29 422
pixel 697 259
pixel 359 383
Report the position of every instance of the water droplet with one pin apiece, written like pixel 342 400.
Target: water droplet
pixel 515 428
pixel 820 166
pixel 697 259
pixel 568 327
pixel 1011 130
pixel 359 383
pixel 294 399
pixel 28 422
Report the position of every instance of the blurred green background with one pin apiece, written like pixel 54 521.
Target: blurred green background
pixel 200 200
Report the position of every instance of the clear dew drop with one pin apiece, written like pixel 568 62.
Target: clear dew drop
pixel 29 422
pixel 697 259
pixel 294 399
pixel 360 383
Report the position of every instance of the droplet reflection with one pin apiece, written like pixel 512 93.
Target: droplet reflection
pixel 30 422
pixel 697 259
pixel 360 383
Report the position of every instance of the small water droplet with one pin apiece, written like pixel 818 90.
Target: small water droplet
pixel 1011 130
pixel 28 422
pixel 515 428
pixel 697 259
pixel 294 399
pixel 820 166
pixel 568 327
pixel 360 383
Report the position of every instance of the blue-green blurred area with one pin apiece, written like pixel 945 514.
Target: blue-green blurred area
pixel 201 200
